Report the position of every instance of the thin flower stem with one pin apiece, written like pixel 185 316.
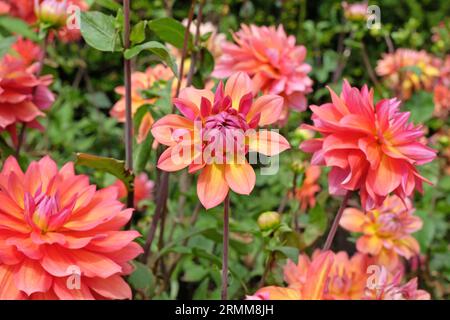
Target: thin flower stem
pixel 128 113
pixel 335 224
pixel 21 139
pixel 164 178
pixel 369 68
pixel 195 54
pixel 185 48
pixel 226 232
pixel 269 264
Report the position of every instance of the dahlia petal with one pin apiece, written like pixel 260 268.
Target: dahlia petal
pixel 8 289
pixel 212 187
pixel 372 151
pixel 171 159
pixel 335 179
pixel 129 252
pixel 144 127
pixel 163 129
pixel 26 246
pixel 269 106
pixel 369 244
pixel 187 108
pixel 63 292
pixel 238 85
pixel 48 295
pixel 267 142
pixel 113 287
pixel 297 101
pixel 10 223
pixel 117 222
pixel 9 207
pixel 29 277
pixel 317 276
pixel 11 165
pixel 386 177
pixel 113 241
pixel 417 152
pixel 312 145
pixel 352 220
pixel 194 96
pixel 276 293
pixel 94 217
pixel 9 254
pixel 241 178
pixel 6 116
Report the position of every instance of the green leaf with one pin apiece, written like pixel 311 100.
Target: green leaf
pixel 5 45
pixel 18 26
pixel 425 235
pixel 142 279
pixel 110 165
pixel 195 273
pixel 99 31
pixel 158 49
pixel 421 106
pixel 109 4
pixel 5 149
pixel 138 32
pixel 171 31
pixel 289 252
pixel 316 226
pixel 143 153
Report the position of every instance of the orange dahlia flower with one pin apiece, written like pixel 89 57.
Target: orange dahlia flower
pixel 335 276
pixel 60 238
pixel 143 189
pixel 273 60
pixel 386 230
pixel 306 193
pixel 215 132
pixel 307 280
pixel 370 148
pixel 141 81
pixel 407 71
pixel 23 95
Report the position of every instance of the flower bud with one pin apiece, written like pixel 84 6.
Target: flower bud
pixel 298 167
pixel 268 220
pixel 304 134
pixel 444 141
pixel 51 12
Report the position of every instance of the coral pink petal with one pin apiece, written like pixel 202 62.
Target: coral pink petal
pixel 212 187
pixel 267 142
pixel 269 106
pixel 241 178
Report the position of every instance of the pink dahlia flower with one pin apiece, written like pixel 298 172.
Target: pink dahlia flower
pixel 215 132
pixel 60 237
pixel 23 95
pixel 370 148
pixel 273 61
pixel 23 9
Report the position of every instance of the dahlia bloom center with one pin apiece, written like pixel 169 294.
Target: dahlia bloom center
pixel 45 213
